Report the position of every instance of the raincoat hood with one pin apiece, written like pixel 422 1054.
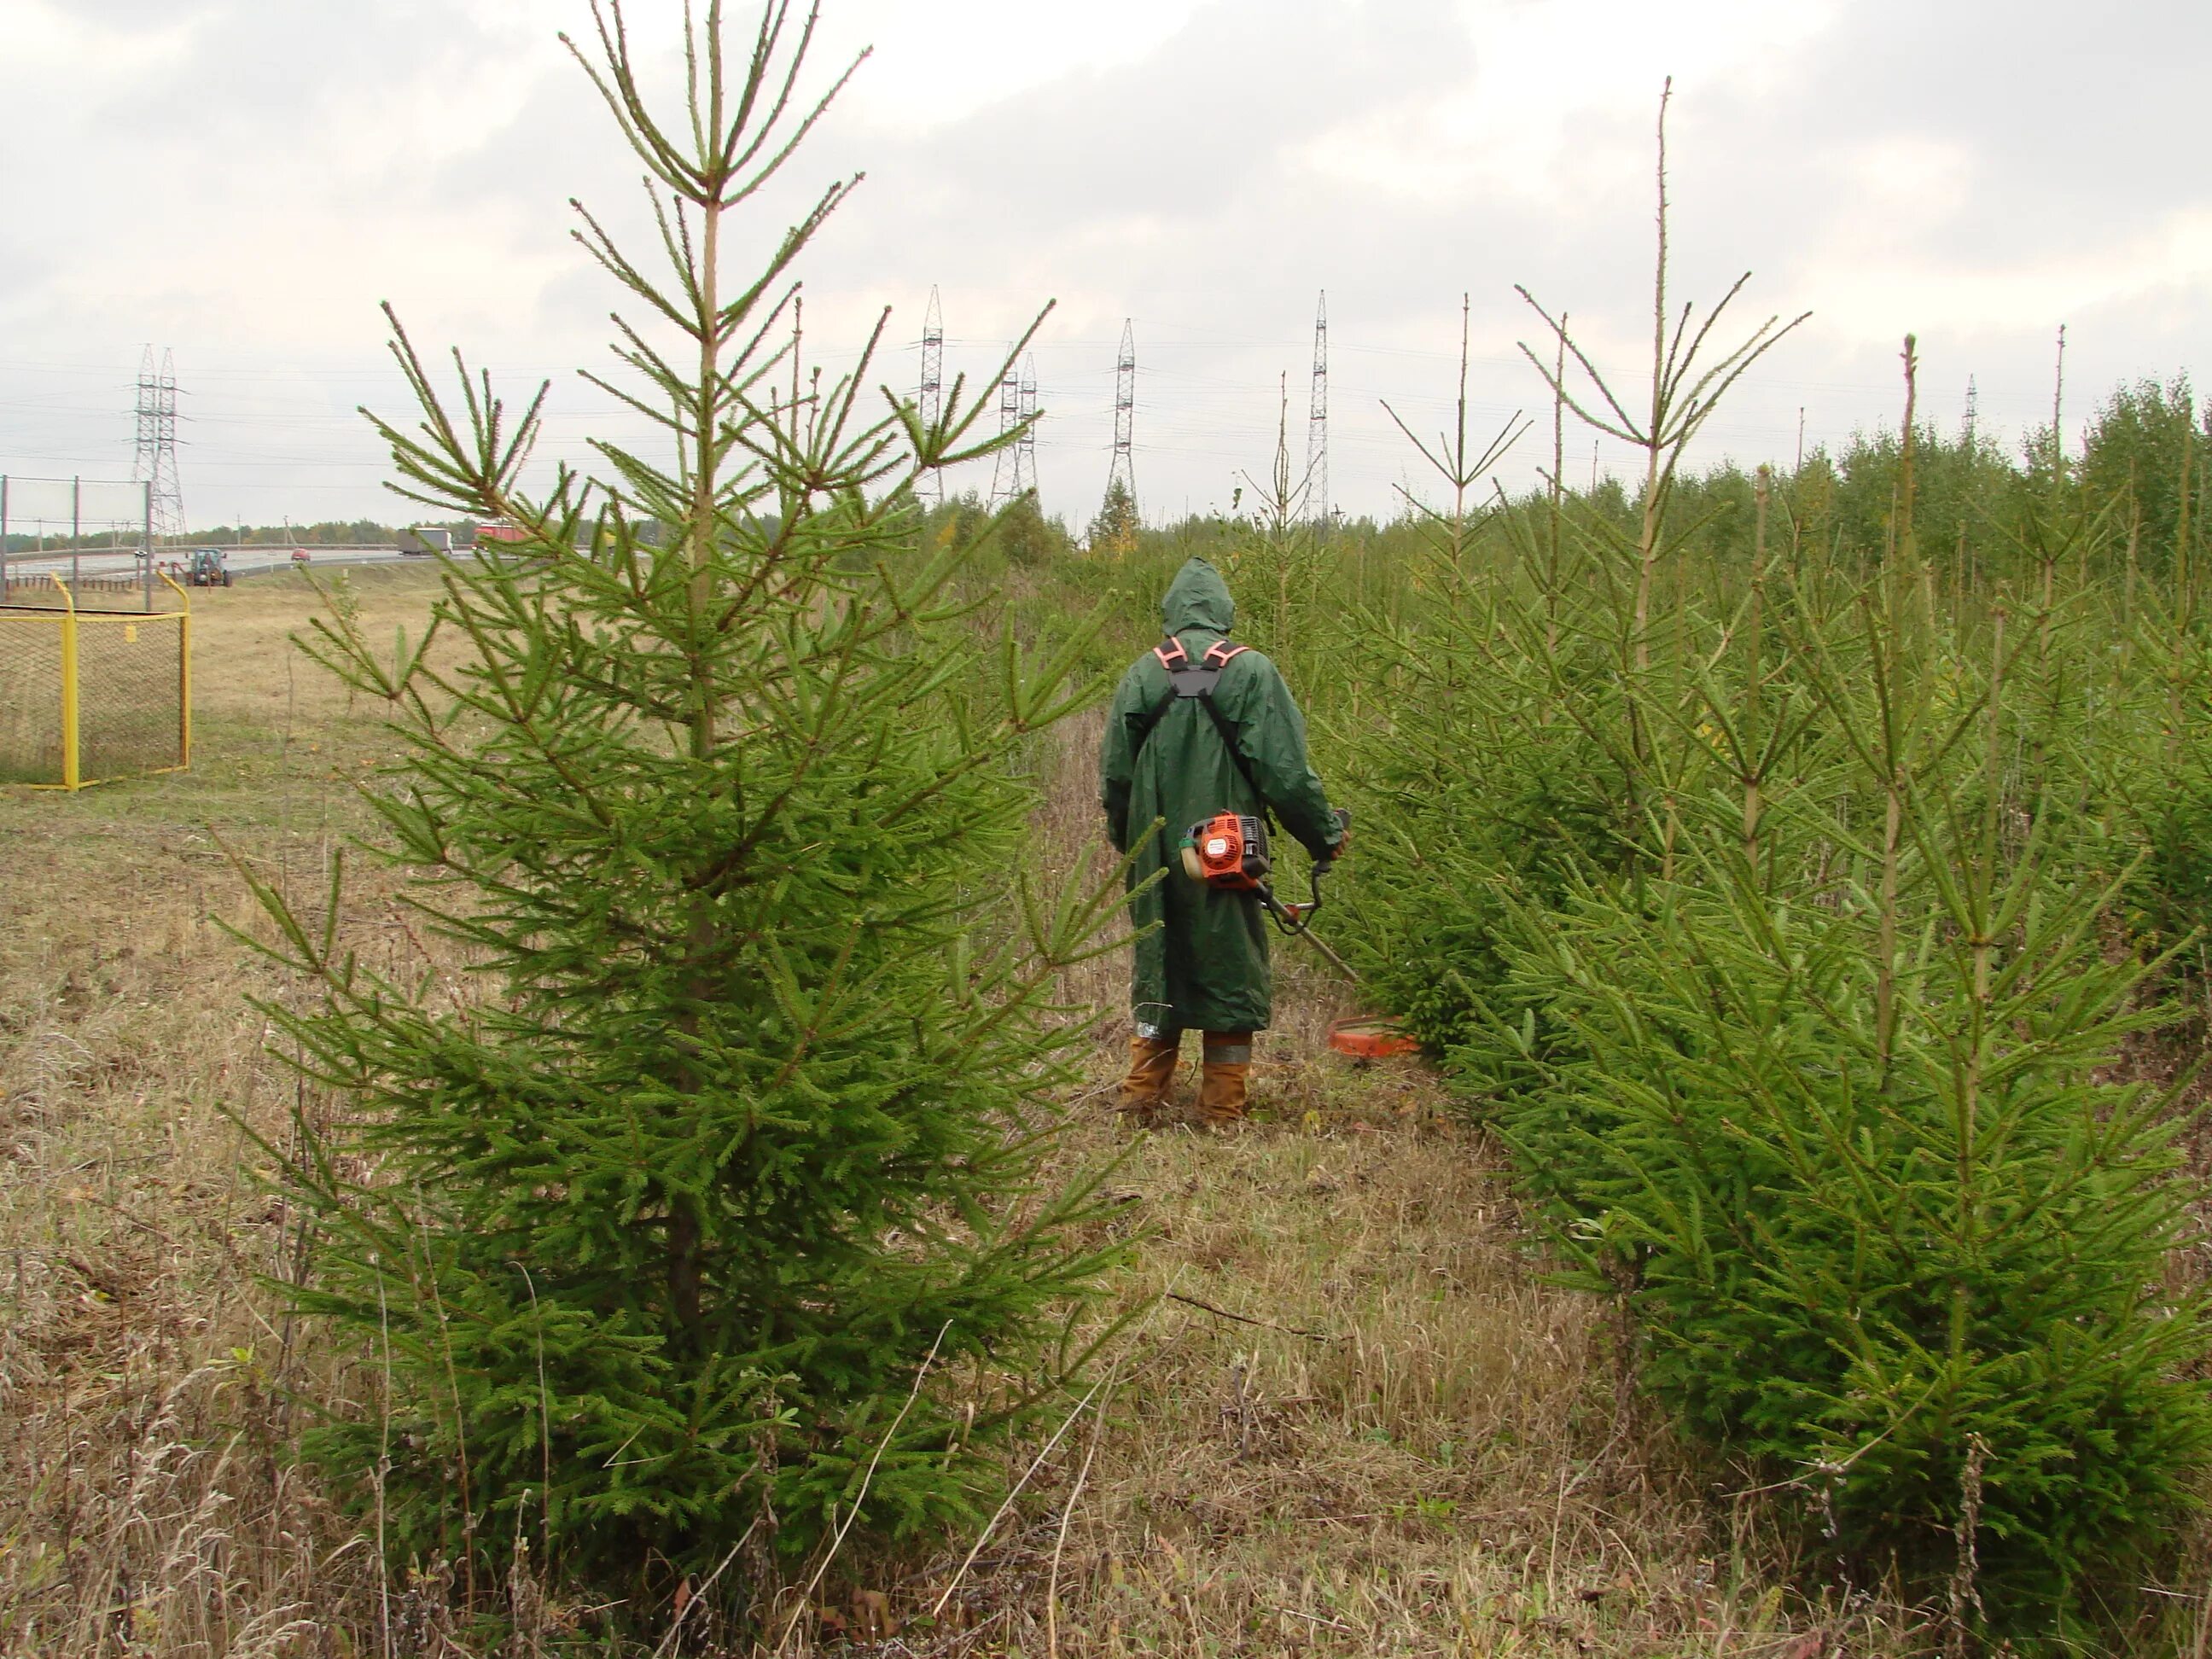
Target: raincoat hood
pixel 1198 597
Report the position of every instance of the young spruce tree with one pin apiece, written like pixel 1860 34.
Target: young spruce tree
pixel 709 1215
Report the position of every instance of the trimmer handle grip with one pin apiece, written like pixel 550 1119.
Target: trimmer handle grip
pixel 1343 816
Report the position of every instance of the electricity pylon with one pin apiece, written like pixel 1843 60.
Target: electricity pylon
pixel 1123 471
pixel 931 404
pixel 1006 470
pixel 1025 472
pixel 154 459
pixel 1317 420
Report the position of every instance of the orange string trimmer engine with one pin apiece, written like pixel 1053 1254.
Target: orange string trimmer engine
pixel 1229 851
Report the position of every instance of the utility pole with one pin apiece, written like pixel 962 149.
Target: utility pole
pixel 1317 421
pixel 1123 471
pixel 1972 400
pixel 931 404
pixel 154 459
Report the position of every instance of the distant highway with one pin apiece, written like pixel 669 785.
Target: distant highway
pixel 256 559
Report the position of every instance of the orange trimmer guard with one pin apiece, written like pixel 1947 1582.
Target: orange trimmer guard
pixel 1371 1037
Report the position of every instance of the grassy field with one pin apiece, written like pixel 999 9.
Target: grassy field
pixel 1358 1421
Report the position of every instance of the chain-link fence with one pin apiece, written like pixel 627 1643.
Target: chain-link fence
pixel 93 533
pixel 31 697
pixel 90 695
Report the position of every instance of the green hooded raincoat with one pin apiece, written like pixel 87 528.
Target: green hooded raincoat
pixel 1207 967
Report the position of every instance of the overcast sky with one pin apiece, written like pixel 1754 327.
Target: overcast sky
pixel 243 180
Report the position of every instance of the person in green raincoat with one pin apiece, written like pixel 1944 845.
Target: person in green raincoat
pixel 1203 967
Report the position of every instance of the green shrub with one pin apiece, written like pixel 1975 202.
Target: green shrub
pixel 1871 1271
pixel 1775 943
pixel 2171 891
pixel 1824 1102
pixel 2164 780
pixel 700 1213
pixel 1453 831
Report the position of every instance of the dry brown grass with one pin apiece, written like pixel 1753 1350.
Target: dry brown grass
pixel 1421 1449
pixel 144 1503
pixel 1365 1423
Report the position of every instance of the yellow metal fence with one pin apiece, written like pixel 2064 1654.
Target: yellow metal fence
pixel 88 696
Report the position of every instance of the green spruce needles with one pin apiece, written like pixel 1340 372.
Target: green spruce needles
pixel 707 1211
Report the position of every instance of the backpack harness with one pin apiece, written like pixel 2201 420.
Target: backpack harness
pixel 1186 682
pixel 1228 851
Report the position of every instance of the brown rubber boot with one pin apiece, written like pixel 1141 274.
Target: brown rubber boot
pixel 1227 1075
pixel 1151 1072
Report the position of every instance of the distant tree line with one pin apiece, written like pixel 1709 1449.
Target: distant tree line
pixel 2142 454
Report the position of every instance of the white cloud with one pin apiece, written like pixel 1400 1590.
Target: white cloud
pixel 1905 288
pixel 1564 94
pixel 246 178
pixel 935 65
